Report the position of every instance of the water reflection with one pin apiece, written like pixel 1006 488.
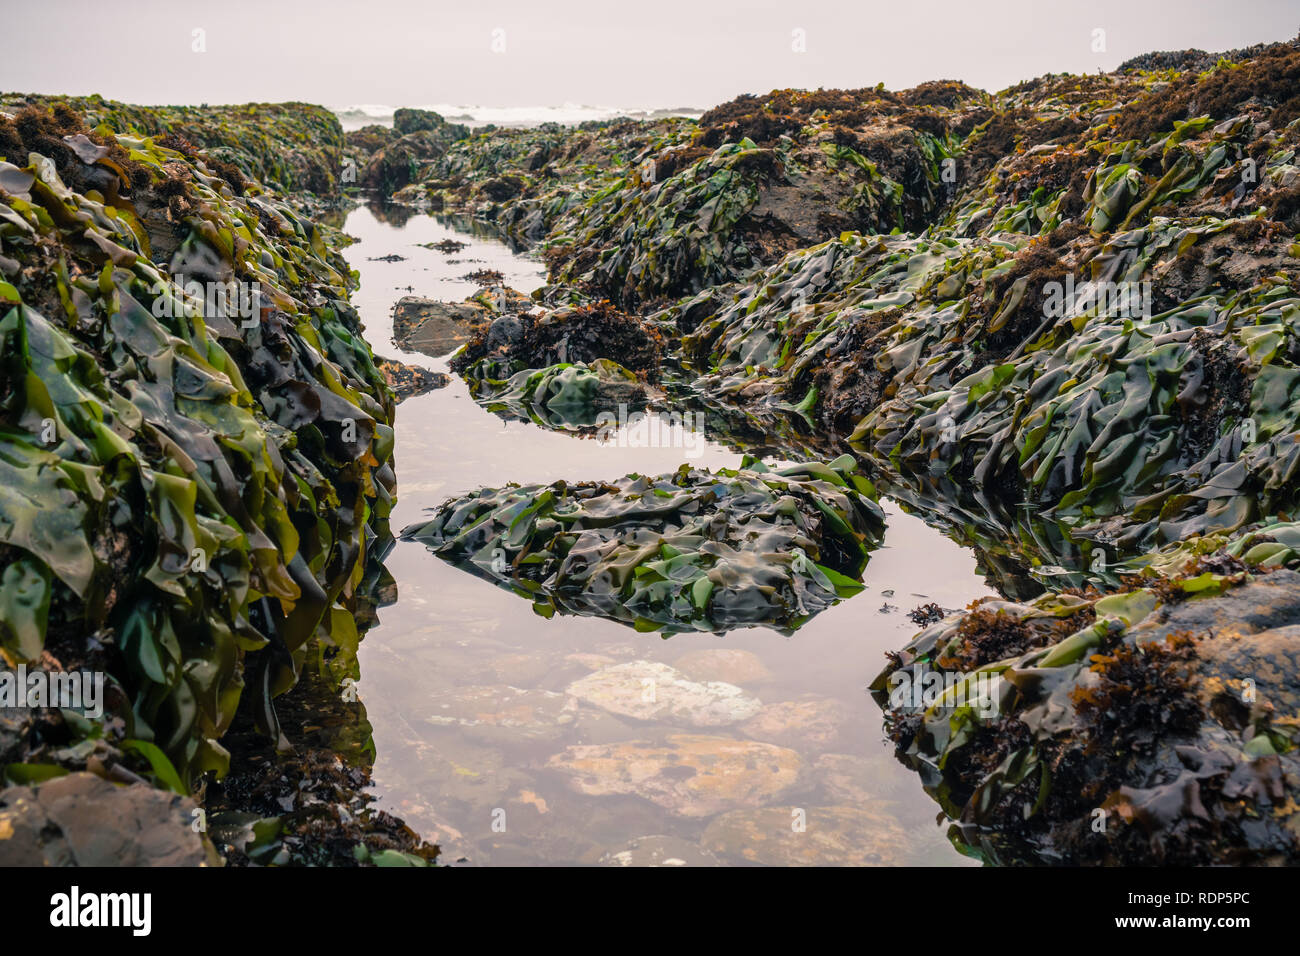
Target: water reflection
pixel 509 738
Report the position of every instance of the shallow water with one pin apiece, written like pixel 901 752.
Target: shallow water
pixel 465 685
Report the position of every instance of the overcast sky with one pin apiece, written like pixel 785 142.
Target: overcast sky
pixel 660 53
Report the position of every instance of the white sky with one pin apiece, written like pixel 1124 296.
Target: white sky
pixel 658 53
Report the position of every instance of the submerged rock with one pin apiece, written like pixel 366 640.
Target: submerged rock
pixel 815 836
pixel 503 713
pixel 659 851
pixel 859 781
pixel 731 664
pixel 809 722
pixel 648 690
pixel 689 775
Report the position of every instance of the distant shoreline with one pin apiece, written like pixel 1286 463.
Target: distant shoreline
pixel 569 114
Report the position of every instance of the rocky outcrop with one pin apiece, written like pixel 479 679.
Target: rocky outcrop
pixel 83 820
pixel 195 443
pixel 1154 725
pixel 422 137
pixel 693 550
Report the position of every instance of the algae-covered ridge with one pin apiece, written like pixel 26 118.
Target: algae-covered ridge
pixel 689 551
pixel 1059 317
pixel 195 445
pixel 1061 320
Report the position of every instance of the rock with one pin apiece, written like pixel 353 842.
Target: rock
pixel 591 662
pixel 730 664
pixel 435 328
pixel 855 780
pixel 659 851
pixel 503 713
pixel 505 333
pixel 407 381
pixel 520 670
pixel 15 724
pixel 809 721
pixel 363 142
pixel 396 164
pixel 454 773
pixel 1175 711
pixel 691 775
pixel 692 550
pixel 831 836
pixel 648 690
pixel 83 820
pixel 406 120
pixel 582 334
pixel 601 727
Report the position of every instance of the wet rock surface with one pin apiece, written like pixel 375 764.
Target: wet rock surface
pixel 436 328
pixel 647 690
pixel 689 774
pixel 816 836
pixel 83 820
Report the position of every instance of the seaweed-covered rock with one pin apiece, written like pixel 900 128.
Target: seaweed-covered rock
pixel 365 142
pixel 195 442
pixel 398 163
pixel 291 147
pixel 693 550
pixel 542 337
pixel 1152 725
pixel 407 120
pixel 1084 358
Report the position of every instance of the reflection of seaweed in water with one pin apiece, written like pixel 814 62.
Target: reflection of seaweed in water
pixel 689 551
pixel 311 804
pixel 306 801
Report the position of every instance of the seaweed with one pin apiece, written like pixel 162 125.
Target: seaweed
pixel 196 488
pixel 689 551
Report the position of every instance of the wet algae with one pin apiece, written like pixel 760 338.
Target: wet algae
pixel 195 487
